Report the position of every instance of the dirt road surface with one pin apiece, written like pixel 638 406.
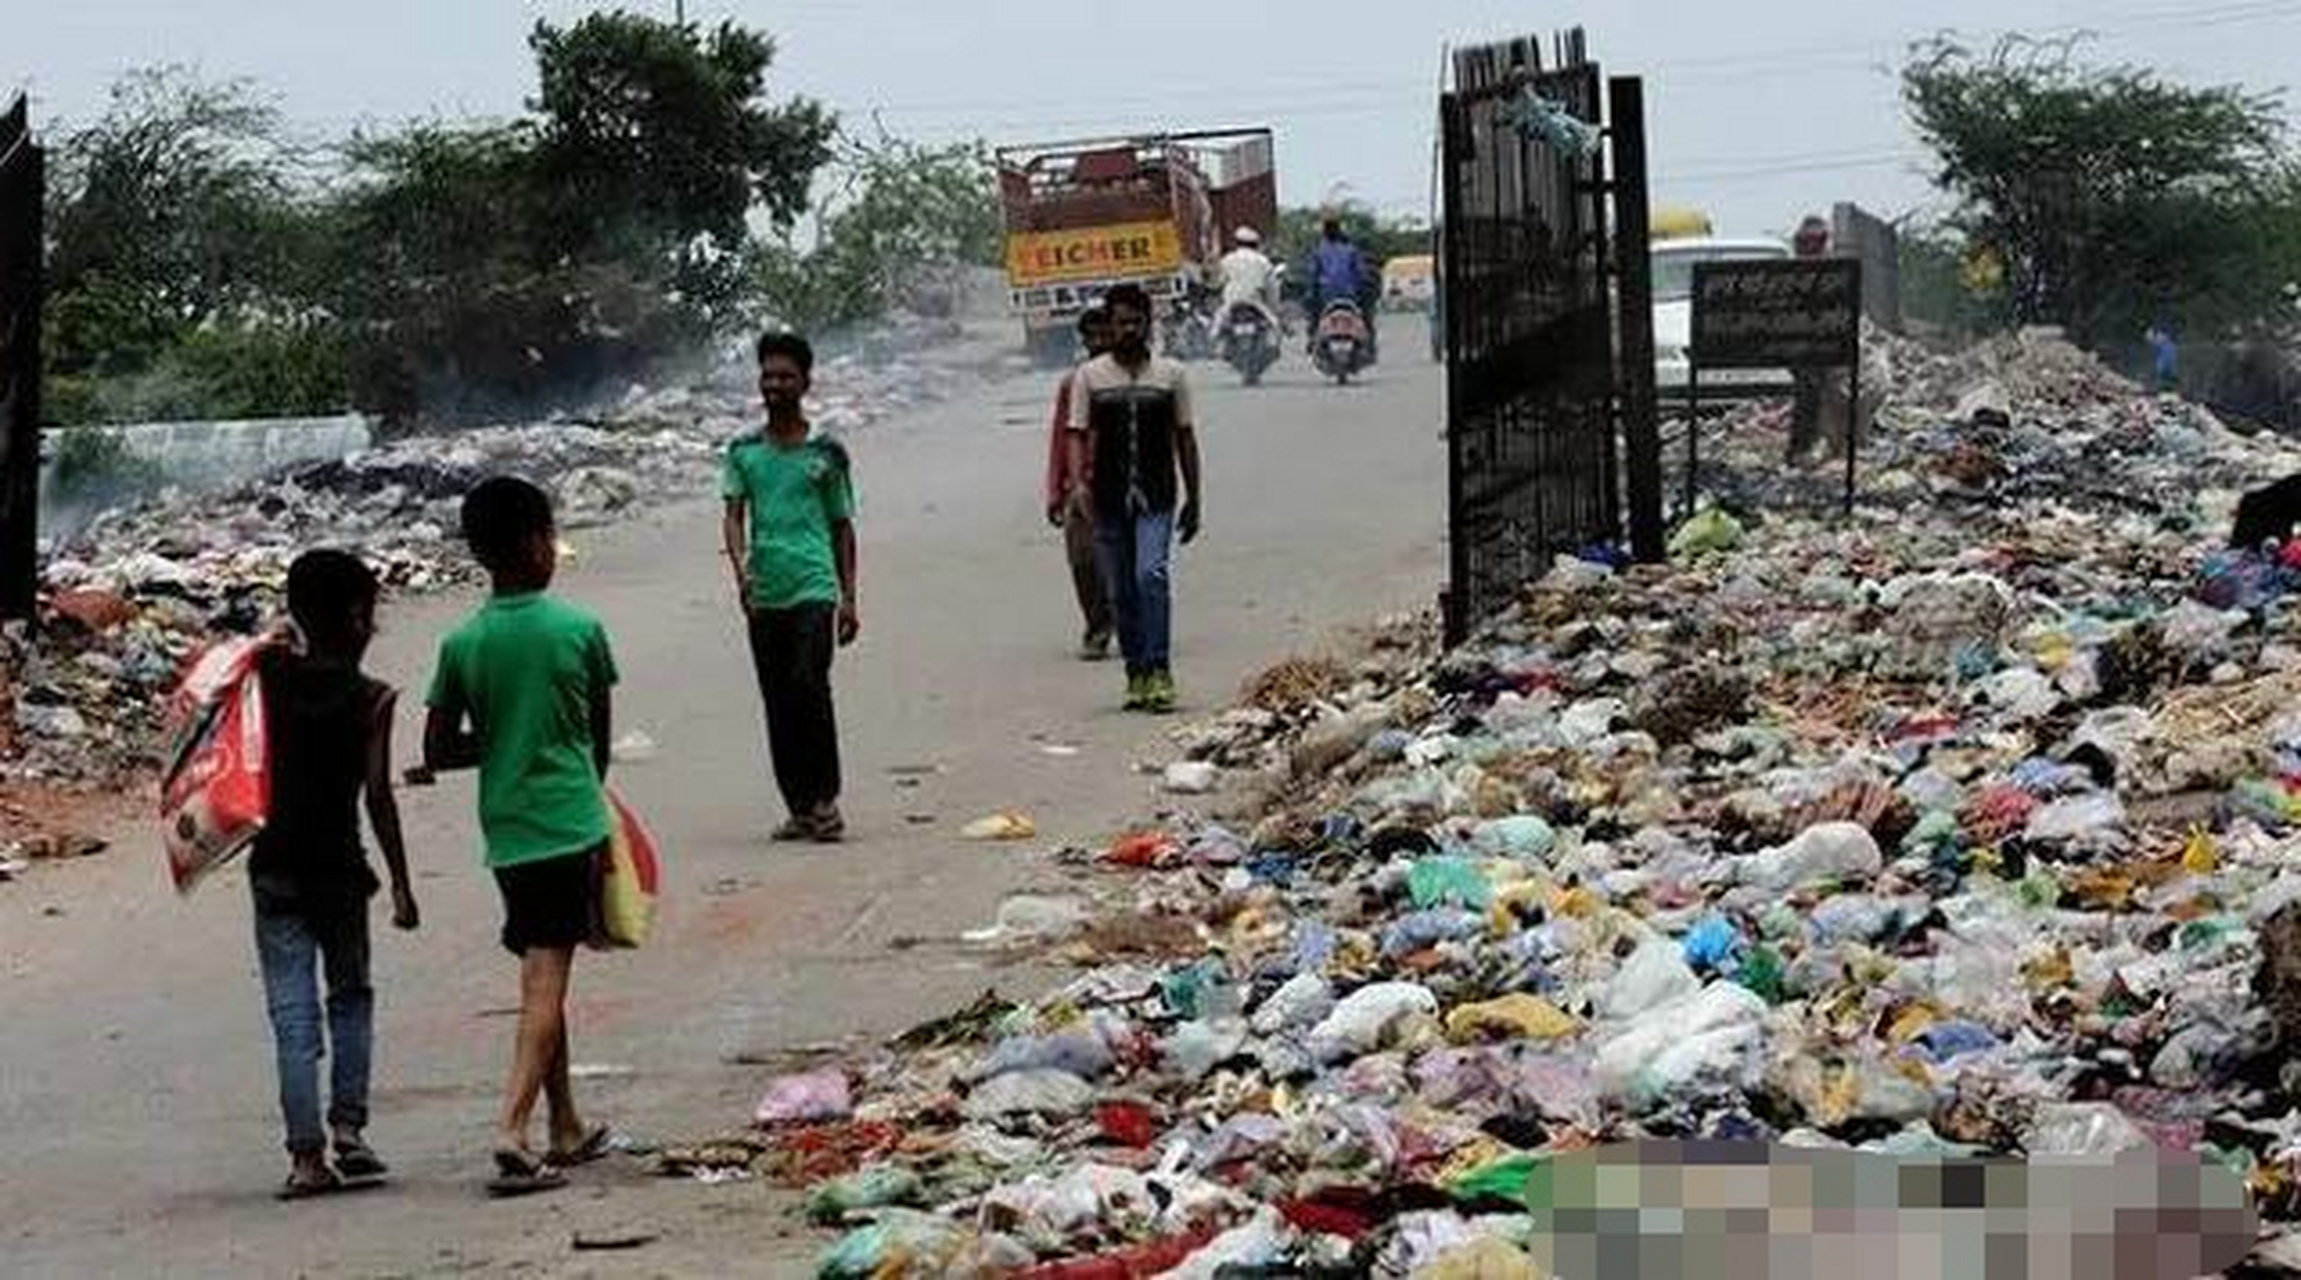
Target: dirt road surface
pixel 138 1129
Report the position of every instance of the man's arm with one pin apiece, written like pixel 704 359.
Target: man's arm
pixel 602 727
pixel 850 612
pixel 1059 456
pixel 1076 432
pixel 1186 455
pixel 1186 452
pixel 383 814
pixel 734 533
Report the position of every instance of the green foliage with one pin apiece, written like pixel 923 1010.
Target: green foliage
pixel 441 269
pixel 894 220
pixel 172 207
pixel 2111 195
pixel 655 140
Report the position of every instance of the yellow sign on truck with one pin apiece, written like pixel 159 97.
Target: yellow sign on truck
pixel 1036 258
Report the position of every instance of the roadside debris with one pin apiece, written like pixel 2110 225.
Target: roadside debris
pixel 1968 827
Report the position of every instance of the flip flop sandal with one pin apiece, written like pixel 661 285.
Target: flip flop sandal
pixel 305 1188
pixel 520 1174
pixel 359 1160
pixel 595 1144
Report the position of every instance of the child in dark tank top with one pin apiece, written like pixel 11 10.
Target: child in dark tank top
pixel 328 729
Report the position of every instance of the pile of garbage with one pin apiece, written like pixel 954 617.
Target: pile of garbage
pixel 131 595
pixel 1963 827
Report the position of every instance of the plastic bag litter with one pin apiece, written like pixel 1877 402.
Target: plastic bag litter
pixel 1524 837
pixel 1300 1002
pixel 1366 1016
pixel 810 1098
pixel 1449 882
pixel 873 1188
pixel 1709 532
pixel 1711 1036
pixel 1831 851
pixel 1080 1053
pixel 1656 974
pixel 2083 1129
pixel 901 1245
pixel 1007 825
pixel 1487 1259
pixel 1516 1016
pixel 1261 1242
pixel 1039 1092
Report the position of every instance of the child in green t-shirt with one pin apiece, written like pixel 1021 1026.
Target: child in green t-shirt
pixel 522 694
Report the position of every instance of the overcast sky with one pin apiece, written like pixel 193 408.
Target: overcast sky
pixel 1759 109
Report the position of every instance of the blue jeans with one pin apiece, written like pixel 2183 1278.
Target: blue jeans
pixel 293 949
pixel 1137 555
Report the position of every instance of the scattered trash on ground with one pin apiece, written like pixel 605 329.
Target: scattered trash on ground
pixel 1967 827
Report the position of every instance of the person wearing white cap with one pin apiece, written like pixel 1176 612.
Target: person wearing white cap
pixel 1248 274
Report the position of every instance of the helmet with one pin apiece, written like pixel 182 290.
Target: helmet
pixel 1247 236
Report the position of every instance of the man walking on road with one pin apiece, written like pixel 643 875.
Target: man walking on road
pixel 1069 507
pixel 790 536
pixel 1812 240
pixel 1132 434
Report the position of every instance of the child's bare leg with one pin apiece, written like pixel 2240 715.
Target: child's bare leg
pixel 542 1038
pixel 559 1094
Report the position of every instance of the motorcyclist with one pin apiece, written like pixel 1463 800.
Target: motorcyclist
pixel 1248 277
pixel 1339 271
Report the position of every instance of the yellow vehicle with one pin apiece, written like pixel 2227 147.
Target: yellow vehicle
pixel 1680 224
pixel 1151 211
pixel 1409 283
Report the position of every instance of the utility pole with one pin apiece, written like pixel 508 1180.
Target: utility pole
pixel 679 11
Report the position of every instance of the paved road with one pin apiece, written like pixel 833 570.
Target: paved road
pixel 137 1128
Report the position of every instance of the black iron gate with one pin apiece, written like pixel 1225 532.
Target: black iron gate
pixel 22 196
pixel 1541 389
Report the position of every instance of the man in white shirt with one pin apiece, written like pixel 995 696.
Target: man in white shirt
pixel 1247 274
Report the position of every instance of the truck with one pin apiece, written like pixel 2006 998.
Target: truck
pixel 1154 210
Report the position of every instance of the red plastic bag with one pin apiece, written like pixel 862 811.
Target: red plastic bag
pixel 217 792
pixel 630 880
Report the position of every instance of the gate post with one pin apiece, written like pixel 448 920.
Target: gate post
pixel 23 198
pixel 1633 255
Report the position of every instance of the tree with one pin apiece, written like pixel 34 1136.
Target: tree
pixel 167 209
pixel 178 231
pixel 2111 195
pixel 654 139
pixel 894 221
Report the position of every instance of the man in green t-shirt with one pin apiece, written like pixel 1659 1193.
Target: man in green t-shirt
pixel 790 536
pixel 523 694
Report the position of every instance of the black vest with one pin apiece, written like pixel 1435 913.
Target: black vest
pixel 1133 430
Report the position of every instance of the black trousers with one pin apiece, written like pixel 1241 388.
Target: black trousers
pixel 791 651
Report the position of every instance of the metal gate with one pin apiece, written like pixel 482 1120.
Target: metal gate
pixel 1535 392
pixel 22 198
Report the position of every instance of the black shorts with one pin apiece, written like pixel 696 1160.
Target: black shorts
pixel 550 904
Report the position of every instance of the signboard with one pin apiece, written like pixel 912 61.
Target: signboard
pixel 1787 313
pixel 1124 250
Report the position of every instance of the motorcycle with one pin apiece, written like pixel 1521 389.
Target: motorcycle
pixel 1341 345
pixel 1249 341
pixel 1190 330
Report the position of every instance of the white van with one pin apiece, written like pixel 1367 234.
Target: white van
pixel 1673 274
